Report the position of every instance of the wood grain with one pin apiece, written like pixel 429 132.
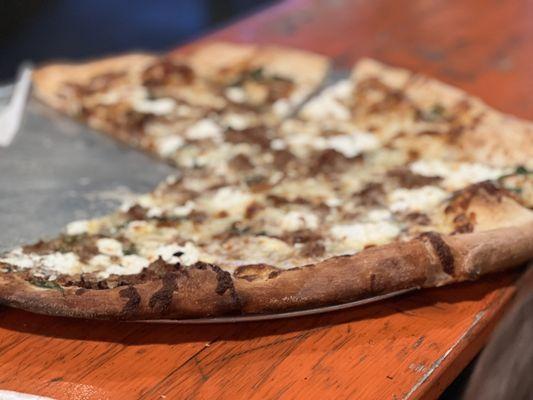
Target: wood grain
pixel 400 348
pixel 409 347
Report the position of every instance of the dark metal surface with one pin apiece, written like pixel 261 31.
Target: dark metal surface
pixel 57 171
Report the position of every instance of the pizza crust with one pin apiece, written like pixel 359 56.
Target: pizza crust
pixel 211 58
pixel 48 80
pixel 204 291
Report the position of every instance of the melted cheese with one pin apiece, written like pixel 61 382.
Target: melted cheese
pixel 231 200
pixel 162 106
pixel 77 227
pixel 329 103
pixel 295 220
pixel 104 267
pixel 350 144
pixel 421 199
pixel 236 94
pixel 167 145
pixel 359 235
pixel 457 175
pixel 185 255
pixel 59 263
pixel 110 247
pixel 204 129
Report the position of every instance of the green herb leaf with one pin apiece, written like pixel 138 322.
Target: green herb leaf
pixel 521 170
pixel 257 74
pixel 131 249
pixel 45 284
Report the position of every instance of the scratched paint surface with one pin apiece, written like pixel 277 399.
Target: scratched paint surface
pixel 409 347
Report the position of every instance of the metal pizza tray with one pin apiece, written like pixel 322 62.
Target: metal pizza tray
pixel 57 170
pixel 289 314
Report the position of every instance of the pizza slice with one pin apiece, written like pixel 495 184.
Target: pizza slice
pixel 424 116
pixel 320 212
pixel 177 105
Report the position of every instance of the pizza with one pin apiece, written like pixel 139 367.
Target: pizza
pixel 166 104
pixel 381 182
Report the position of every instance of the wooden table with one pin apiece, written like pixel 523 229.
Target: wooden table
pixel 409 347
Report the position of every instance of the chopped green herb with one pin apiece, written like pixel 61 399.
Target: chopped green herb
pixel 45 284
pixel 521 170
pixel 257 74
pixel 131 249
pixel 434 114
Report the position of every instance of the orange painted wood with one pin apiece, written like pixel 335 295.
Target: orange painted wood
pixel 409 347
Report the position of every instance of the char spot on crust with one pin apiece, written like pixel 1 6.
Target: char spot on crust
pixel 134 299
pixel 442 250
pixel 161 300
pixel 273 274
pixel 80 291
pixel 225 282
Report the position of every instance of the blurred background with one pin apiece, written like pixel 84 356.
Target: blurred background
pixel 39 30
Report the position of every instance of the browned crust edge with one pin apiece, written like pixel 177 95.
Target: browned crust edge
pixel 427 261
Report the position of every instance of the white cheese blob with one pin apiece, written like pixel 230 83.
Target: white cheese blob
pixel 110 247
pixel 173 253
pixel 154 212
pixel 457 174
pixel 421 199
pixel 167 145
pixel 232 200
pixel 350 145
pixel 18 258
pixel 342 90
pixel 156 107
pixel 137 228
pixel 100 261
pixel 359 235
pixel 77 227
pixel 236 94
pixel 127 265
pixel 62 263
pixel 282 107
pixel 134 264
pixel 328 104
pixel 204 129
pixel 278 144
pixel 236 121
pixel 323 107
pixel 295 220
pixel 184 210
pixel 378 215
pixel 333 202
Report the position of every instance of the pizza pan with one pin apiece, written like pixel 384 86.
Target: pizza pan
pixel 289 314
pixel 57 170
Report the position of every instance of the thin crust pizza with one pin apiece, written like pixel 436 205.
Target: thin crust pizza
pixel 167 104
pixel 385 181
